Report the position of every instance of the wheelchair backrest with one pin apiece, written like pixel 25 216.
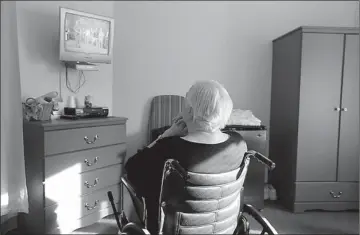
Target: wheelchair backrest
pixel 196 203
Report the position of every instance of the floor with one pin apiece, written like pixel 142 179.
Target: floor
pixel 283 221
pixel 286 222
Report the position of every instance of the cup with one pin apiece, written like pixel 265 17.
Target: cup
pixel 71 102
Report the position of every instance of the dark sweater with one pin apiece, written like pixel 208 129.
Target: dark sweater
pixel 145 168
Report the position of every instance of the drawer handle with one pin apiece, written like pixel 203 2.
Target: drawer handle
pixel 91 186
pixel 335 196
pixel 259 135
pixel 91 141
pixel 88 163
pixel 88 207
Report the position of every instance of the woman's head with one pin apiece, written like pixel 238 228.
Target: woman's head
pixel 208 106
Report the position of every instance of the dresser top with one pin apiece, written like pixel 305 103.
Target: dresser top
pixel 79 123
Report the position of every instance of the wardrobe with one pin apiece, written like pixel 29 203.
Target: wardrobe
pixel 314 119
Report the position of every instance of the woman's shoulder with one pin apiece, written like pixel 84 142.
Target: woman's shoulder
pixel 170 141
pixel 171 145
pixel 235 136
pixel 236 142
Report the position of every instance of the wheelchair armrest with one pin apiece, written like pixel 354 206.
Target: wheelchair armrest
pixel 267 227
pixel 261 158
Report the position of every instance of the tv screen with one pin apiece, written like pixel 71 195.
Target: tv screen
pixel 85 37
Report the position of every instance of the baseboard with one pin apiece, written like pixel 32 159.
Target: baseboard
pixel 8 224
pixel 13 222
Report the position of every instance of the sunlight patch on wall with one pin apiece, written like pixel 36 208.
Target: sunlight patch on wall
pixel 4 199
pixel 4 204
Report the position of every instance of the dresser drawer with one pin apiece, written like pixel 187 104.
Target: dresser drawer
pixel 326 192
pixel 86 160
pixel 64 212
pixel 67 185
pixel 84 222
pixel 63 141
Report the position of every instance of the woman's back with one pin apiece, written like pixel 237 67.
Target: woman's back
pixel 208 158
pixel 145 168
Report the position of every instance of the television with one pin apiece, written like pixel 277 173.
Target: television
pixel 85 37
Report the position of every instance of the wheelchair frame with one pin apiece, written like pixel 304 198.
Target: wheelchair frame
pixel 242 228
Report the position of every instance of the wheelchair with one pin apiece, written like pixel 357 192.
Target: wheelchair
pixel 193 203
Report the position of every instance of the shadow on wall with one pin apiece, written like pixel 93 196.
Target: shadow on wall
pixel 129 209
pixel 139 139
pixel 135 142
pixel 39 33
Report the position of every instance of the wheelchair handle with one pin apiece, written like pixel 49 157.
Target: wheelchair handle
pixel 176 166
pixel 261 158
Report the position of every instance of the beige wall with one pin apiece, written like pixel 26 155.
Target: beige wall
pixel 163 47
pixel 38 37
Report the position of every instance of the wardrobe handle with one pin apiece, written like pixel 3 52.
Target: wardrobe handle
pixel 344 109
pixel 335 196
pixel 337 109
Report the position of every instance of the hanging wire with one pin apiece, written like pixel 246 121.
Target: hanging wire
pixel 80 81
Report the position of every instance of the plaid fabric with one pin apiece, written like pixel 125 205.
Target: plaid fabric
pixel 163 109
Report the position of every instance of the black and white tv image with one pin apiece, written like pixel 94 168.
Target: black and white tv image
pixel 85 37
pixel 84 34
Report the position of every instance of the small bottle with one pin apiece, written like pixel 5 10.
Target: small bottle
pixel 88 101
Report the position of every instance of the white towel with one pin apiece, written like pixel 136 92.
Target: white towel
pixel 243 118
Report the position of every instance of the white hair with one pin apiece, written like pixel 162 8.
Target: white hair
pixel 211 105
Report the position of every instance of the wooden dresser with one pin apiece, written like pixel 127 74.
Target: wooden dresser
pixel 70 167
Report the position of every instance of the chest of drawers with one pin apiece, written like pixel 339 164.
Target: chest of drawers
pixel 70 167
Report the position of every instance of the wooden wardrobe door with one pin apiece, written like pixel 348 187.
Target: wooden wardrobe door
pixel 320 88
pixel 348 167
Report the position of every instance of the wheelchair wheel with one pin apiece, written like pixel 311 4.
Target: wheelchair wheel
pixel 243 226
pixel 134 229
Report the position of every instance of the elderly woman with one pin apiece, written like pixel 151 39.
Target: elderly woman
pixel 195 139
